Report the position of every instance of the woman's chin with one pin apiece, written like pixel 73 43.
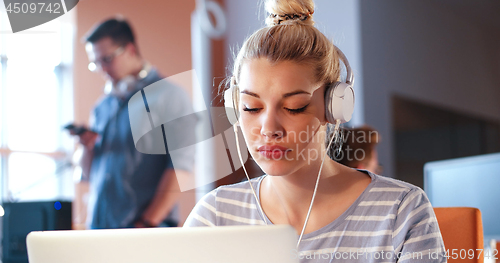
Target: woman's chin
pixel 276 167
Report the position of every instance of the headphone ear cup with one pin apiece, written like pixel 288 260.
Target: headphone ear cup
pixel 339 102
pixel 230 104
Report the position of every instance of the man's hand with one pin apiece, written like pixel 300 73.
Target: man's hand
pixel 87 139
pixel 142 223
pixel 84 157
pixel 166 196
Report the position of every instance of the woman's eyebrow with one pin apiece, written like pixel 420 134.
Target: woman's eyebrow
pixel 295 93
pixel 286 95
pixel 250 93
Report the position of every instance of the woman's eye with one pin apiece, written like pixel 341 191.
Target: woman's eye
pixel 297 111
pixel 251 110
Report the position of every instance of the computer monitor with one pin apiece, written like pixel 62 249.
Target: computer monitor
pixel 23 217
pixel 470 182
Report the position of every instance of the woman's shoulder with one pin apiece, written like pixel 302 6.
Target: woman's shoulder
pixel 226 205
pixel 238 190
pixel 387 184
pixel 391 189
pixel 232 204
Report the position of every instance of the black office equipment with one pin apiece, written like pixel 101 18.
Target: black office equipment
pixel 24 217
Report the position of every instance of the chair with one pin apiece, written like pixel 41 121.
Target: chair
pixel 497 247
pixel 462 229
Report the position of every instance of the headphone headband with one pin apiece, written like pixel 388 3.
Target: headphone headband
pixel 349 77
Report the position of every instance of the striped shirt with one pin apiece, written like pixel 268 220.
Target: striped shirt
pixel 391 221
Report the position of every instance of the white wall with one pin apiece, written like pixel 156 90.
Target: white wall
pixel 423 51
pixel 243 19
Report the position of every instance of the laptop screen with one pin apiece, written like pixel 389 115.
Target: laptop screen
pixel 227 244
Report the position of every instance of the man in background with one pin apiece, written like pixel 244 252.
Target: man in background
pixel 359 149
pixel 127 188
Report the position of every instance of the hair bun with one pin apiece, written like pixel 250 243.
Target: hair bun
pixel 289 12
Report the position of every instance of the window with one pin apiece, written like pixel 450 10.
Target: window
pixel 36 100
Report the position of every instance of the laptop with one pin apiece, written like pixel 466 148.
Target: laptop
pixel 225 244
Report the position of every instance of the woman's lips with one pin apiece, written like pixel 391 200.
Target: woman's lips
pixel 274 152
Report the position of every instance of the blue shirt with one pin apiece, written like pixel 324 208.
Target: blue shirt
pixel 123 180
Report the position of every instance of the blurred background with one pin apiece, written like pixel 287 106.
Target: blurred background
pixel 427 78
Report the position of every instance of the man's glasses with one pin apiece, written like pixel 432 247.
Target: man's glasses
pixel 105 60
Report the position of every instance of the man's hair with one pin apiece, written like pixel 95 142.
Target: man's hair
pixel 118 30
pixel 363 140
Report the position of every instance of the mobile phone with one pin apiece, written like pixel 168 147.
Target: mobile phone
pixel 77 130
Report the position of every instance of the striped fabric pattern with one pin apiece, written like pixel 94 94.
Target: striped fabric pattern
pixel 391 221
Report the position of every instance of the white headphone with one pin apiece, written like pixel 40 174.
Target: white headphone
pixel 339 98
pixel 127 84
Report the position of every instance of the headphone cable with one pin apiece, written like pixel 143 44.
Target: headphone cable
pixel 337 125
pixel 246 173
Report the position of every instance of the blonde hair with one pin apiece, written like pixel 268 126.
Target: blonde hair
pixel 290 35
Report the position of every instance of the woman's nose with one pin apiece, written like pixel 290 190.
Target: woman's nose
pixel 271 126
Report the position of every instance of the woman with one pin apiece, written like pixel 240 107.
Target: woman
pixel 281 75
